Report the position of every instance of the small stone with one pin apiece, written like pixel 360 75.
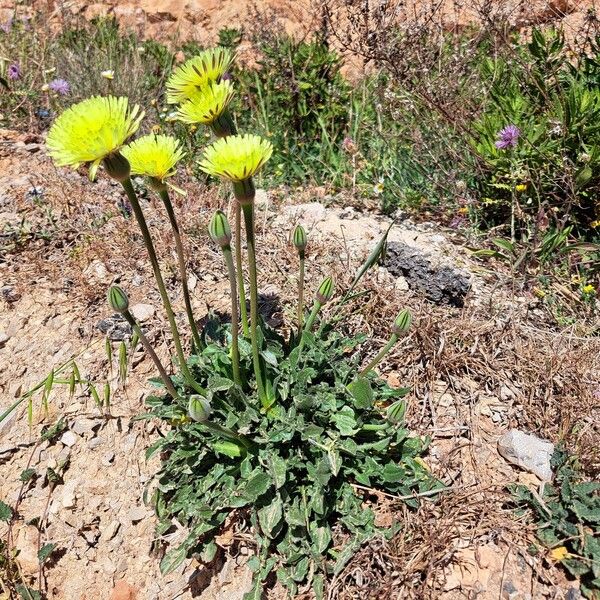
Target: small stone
pixel 27 545
pixel 138 514
pixel 401 284
pixel 108 458
pixel 96 271
pixel 68 498
pixel 137 280
pixel 261 199
pixel 94 443
pixel 192 282
pixel 69 438
pixel 142 312
pixel 109 532
pixel 528 452
pixel 83 426
pixel 3 339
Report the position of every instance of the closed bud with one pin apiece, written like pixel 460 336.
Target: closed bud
pixel 117 166
pixel 402 322
pixel 325 291
pixel 199 409
pixel 219 229
pixel 117 299
pixel 300 238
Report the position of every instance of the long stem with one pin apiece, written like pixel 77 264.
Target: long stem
pixel 164 195
pixel 235 352
pixel 248 209
pixel 139 215
pixel 150 350
pixel 309 323
pixel 301 295
pixel 379 356
pixel 240 272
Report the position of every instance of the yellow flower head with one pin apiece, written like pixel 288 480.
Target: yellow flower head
pixel 521 187
pixel 91 130
pixel 589 289
pixel 154 156
pixel 236 157
pixel 196 73
pixel 207 104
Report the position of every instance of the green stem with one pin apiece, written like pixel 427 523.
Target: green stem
pixel 309 323
pixel 150 350
pixel 235 352
pixel 301 294
pixel 379 356
pixel 248 208
pixel 164 195
pixel 240 272
pixel 226 433
pixel 139 215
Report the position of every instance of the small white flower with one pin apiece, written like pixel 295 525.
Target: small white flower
pixel 108 74
pixel 378 188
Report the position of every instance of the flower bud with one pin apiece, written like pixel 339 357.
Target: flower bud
pixel 325 291
pixel 402 322
pixel 219 229
pixel 300 238
pixel 117 299
pixel 117 166
pixel 199 408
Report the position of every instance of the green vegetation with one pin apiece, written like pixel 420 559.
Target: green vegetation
pixel 567 517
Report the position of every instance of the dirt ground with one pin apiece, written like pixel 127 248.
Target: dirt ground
pixel 475 371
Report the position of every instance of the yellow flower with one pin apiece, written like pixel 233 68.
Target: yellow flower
pixel 154 156
pixel 595 224
pixel 559 553
pixel 108 74
pixel 236 157
pixel 207 104
pixel 194 74
pixel 521 187
pixel 91 130
pixel 589 289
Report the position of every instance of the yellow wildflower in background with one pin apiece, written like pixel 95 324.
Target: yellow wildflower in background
pixel 207 104
pixel 236 157
pixel 595 224
pixel 154 156
pixel 589 289
pixel 521 187
pixel 92 130
pixel 194 74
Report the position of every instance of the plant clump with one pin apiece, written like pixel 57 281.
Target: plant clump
pixel 284 434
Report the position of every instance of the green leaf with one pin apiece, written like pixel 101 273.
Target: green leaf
pixel 318 587
pixel 209 552
pixel 27 593
pixel 230 449
pixel 256 592
pixel 335 461
pixel 321 537
pixel 219 384
pixel 361 391
pixel 585 513
pixel 6 512
pixel 278 469
pixel 344 421
pixel 269 516
pixel 172 559
pixel 45 551
pixel 257 486
pixel 27 475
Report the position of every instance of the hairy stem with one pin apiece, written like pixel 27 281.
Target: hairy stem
pixel 380 355
pixel 164 195
pixel 139 215
pixel 150 350
pixel 248 209
pixel 240 272
pixel 309 323
pixel 301 294
pixel 235 352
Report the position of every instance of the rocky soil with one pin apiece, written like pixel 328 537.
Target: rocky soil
pixel 65 240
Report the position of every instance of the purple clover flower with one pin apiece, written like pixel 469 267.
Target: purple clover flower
pixel 60 86
pixel 507 137
pixel 14 72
